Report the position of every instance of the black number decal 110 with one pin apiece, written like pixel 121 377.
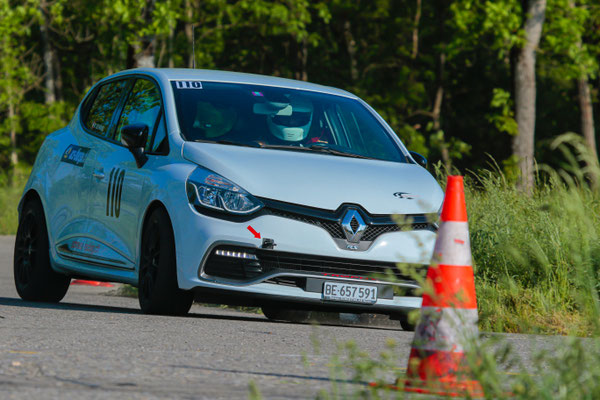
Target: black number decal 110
pixel 113 193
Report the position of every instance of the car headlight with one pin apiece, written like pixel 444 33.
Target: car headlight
pixel 210 190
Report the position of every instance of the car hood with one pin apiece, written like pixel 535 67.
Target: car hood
pixel 322 180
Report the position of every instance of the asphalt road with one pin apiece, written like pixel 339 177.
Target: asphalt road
pixel 96 346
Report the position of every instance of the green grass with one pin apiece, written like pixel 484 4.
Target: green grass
pixel 536 257
pixel 11 189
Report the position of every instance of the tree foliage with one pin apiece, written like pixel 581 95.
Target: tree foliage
pixel 440 72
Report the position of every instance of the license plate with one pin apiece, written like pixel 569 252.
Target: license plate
pixel 337 291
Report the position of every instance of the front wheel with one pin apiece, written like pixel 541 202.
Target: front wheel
pixel 158 290
pixel 35 280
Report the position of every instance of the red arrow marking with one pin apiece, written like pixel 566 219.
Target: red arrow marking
pixel 256 234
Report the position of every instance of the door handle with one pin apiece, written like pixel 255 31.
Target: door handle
pixel 98 174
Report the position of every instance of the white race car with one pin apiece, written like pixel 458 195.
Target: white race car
pixel 231 188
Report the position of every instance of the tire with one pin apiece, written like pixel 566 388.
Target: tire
pixel 282 314
pixel 407 323
pixel 158 291
pixel 35 280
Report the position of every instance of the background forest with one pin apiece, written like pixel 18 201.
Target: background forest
pixel 447 74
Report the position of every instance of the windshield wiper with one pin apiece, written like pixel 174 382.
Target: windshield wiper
pixel 284 147
pixel 315 148
pixel 234 143
pixel 329 150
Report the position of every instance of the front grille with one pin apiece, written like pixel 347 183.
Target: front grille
pixel 269 261
pixel 332 227
pixel 375 231
pixel 335 230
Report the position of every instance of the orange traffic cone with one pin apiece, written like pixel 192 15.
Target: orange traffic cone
pixel 90 283
pixel 449 311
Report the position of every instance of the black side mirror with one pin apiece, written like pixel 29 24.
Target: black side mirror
pixel 134 136
pixel 419 159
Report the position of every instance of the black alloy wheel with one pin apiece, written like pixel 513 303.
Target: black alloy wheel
pixel 158 291
pixel 35 280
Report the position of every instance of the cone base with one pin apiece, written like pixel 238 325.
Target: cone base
pixel 444 388
pixel 91 283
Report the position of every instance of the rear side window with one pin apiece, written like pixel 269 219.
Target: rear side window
pixel 101 111
pixel 142 107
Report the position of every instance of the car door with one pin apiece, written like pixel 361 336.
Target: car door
pixel 117 189
pixel 69 194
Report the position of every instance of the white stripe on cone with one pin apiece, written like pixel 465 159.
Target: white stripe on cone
pixel 453 246
pixel 445 329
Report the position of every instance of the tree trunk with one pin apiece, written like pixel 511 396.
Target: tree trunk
pixel 587 126
pixel 161 53
pixel 437 112
pixel 441 72
pixel 301 72
pixel 351 48
pixel 587 114
pixel 14 158
pixel 586 110
pixel 415 33
pixel 525 94
pixel 305 59
pixel 144 54
pixel 189 32
pixel 58 82
pixel 49 94
pixel 131 50
pixel 171 64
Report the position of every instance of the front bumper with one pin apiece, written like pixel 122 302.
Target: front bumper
pixel 197 235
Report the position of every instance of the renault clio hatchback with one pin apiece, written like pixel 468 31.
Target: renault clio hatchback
pixel 229 188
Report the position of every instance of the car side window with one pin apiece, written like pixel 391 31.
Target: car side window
pixel 142 107
pixel 106 101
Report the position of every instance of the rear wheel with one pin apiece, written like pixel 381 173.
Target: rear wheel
pixel 35 280
pixel 158 291
pixel 283 314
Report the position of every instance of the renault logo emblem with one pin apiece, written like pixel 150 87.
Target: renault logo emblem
pixel 353 225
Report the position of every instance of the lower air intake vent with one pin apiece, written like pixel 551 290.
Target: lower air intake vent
pixel 267 262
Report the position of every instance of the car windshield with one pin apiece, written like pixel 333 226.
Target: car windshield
pixel 279 118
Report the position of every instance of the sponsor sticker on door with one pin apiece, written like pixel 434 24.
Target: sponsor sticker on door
pixel 75 155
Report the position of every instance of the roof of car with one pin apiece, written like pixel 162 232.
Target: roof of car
pixel 170 74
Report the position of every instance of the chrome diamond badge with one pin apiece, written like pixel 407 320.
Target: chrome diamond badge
pixel 353 225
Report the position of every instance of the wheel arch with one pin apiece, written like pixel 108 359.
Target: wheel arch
pixel 154 204
pixel 28 196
